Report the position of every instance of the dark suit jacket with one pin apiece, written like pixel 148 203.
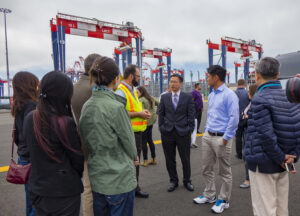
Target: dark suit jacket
pixel 182 119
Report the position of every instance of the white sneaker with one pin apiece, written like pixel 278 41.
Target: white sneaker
pixel 220 206
pixel 202 199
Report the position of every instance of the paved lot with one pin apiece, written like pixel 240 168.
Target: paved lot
pixel 153 179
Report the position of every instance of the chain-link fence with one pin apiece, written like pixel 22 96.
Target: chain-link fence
pixel 154 89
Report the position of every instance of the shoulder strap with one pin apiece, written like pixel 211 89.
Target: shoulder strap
pixel 13 140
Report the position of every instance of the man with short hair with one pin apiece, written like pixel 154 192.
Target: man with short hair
pixel 244 100
pixel 197 96
pixel 138 116
pixel 273 139
pixel 221 124
pixel 82 92
pixel 176 123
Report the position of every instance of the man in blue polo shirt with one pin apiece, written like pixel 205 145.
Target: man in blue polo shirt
pixel 221 124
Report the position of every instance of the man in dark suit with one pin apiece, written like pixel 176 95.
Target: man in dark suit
pixel 176 123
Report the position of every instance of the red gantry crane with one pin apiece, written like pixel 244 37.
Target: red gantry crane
pixel 87 27
pixel 148 53
pixel 229 44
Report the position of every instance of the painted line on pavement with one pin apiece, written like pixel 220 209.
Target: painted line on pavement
pixel 156 142
pixel 4 169
pixel 159 141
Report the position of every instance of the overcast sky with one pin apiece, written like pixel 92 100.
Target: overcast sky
pixel 183 25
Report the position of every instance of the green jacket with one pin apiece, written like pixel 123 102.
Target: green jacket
pixel 146 105
pixel 106 130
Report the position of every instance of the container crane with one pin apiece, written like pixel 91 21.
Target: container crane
pixel 229 44
pixel 148 53
pixel 90 27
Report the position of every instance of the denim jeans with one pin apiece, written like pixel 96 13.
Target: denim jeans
pixel 114 205
pixel 29 208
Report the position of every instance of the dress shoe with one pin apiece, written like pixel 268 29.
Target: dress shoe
pixel 141 194
pixel 189 186
pixel 172 187
pixel 239 156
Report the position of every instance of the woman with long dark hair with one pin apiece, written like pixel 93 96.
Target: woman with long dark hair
pixel 25 96
pixel 55 150
pixel 148 103
pixel 106 130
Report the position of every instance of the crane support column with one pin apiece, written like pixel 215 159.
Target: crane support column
pixel 236 73
pixel 124 60
pixel 223 56
pixel 117 59
pixel 246 69
pixel 210 56
pixel 1 89
pixel 160 77
pixel 55 54
pixel 129 56
pixel 62 48
pixel 169 67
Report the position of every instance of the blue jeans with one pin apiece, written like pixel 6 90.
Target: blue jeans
pixel 114 205
pixel 29 208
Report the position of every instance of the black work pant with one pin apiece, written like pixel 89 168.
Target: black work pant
pixel 239 140
pixel 198 117
pixel 147 138
pixel 58 206
pixel 138 142
pixel 169 142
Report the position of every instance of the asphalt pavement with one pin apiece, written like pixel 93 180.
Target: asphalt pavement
pixel 154 180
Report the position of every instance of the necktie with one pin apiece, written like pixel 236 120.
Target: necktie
pixel 175 101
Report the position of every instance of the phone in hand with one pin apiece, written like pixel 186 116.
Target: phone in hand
pixel 290 167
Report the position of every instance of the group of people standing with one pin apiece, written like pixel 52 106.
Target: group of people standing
pixel 96 130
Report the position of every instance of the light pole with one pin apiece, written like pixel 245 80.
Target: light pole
pixel 5 11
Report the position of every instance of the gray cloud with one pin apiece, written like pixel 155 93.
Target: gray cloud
pixel 183 26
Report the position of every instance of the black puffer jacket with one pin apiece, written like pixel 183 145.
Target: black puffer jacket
pixel 273 129
pixel 19 138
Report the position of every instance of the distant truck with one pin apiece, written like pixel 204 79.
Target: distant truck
pixel 289 66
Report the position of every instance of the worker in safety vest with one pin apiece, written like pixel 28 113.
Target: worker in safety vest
pixel 137 115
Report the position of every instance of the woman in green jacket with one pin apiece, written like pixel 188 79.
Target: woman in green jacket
pixel 149 104
pixel 107 132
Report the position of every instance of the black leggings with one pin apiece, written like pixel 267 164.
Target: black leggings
pixel 147 138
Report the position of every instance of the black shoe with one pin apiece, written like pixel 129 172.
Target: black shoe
pixel 141 194
pixel 199 132
pixel 189 186
pixel 172 187
pixel 238 156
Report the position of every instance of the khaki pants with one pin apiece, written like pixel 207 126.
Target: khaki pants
pixel 87 196
pixel 213 149
pixel 269 193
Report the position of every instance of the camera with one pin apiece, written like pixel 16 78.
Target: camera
pixel 293 90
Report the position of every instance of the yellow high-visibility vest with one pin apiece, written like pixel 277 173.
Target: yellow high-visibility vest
pixel 134 105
